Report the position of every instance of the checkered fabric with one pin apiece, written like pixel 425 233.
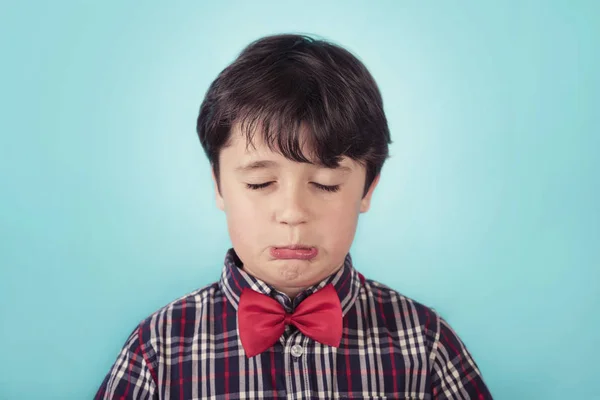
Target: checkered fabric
pixel 392 347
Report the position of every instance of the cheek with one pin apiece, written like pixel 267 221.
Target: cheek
pixel 245 218
pixel 340 223
pixel 238 205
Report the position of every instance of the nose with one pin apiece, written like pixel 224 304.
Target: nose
pixel 292 207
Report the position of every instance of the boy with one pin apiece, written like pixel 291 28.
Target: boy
pixel 296 136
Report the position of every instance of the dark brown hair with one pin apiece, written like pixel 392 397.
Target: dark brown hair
pixel 282 81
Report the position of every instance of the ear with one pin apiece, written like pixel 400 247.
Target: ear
pixel 218 197
pixel 365 203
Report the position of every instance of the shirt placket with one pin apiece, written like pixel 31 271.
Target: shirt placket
pixel 295 351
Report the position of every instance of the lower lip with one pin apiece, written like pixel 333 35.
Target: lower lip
pixel 283 253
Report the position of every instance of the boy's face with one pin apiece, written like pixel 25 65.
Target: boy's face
pixel 290 209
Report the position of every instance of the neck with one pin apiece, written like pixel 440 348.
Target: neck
pixel 291 292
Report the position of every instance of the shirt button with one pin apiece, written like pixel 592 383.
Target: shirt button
pixel 297 350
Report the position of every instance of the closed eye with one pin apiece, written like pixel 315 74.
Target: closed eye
pixel 332 188
pixel 257 186
pixel 327 188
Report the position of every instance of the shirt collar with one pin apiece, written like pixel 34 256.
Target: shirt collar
pixel 234 279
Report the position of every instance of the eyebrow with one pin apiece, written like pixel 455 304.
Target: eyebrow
pixel 262 164
pixel 254 165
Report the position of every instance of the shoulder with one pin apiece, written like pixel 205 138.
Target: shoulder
pixel 404 318
pixel 146 347
pixel 180 314
pixel 401 306
pixel 416 327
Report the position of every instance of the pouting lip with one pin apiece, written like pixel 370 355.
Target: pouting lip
pixel 294 247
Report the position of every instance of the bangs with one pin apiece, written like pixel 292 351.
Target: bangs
pixel 292 135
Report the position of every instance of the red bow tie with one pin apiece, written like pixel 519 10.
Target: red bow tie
pixel 262 320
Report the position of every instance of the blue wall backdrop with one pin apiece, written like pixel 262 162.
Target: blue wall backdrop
pixel 488 210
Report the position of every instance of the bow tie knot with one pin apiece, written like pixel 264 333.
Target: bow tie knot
pixel 262 320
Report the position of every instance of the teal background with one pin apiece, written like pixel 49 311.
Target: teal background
pixel 488 210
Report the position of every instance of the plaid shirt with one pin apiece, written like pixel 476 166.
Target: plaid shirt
pixel 392 347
